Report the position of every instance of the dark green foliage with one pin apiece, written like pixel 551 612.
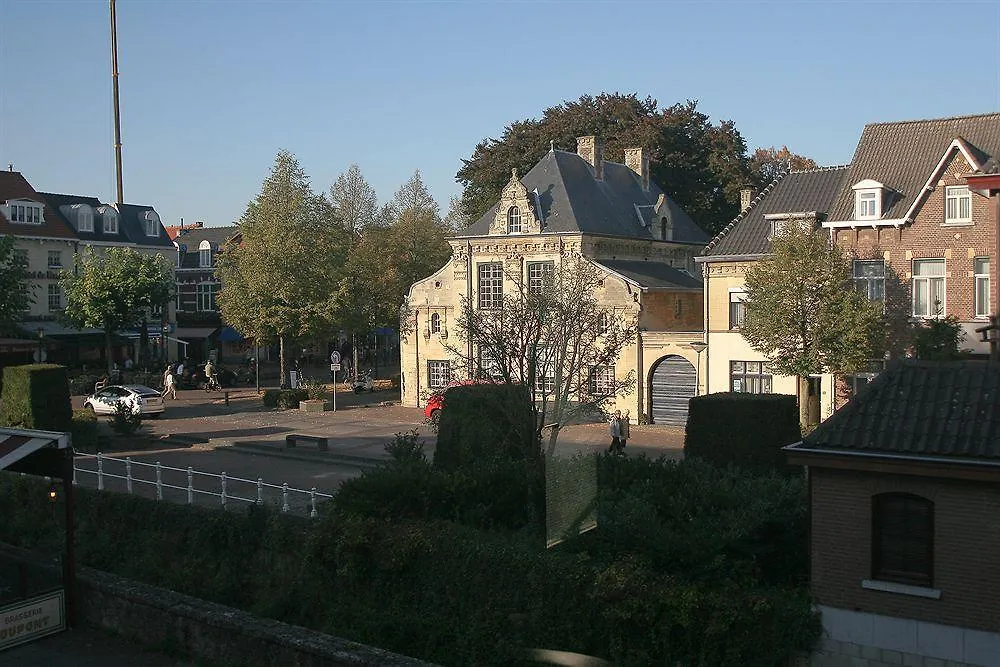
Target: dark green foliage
pixel 481 423
pixel 284 399
pixel 939 339
pixel 84 431
pixel 406 448
pixel 36 396
pixel 82 385
pixel 125 420
pixel 746 430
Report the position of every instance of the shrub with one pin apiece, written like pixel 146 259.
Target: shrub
pixel 938 339
pixel 746 430
pixel 485 422
pixel 36 396
pixel 270 397
pixel 84 431
pixel 82 385
pixel 406 448
pixel 125 420
pixel 315 390
pixel 284 399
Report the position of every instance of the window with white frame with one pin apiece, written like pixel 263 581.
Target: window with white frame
pixel 55 259
pixel 869 279
pixel 489 367
pixel 750 377
pixel 859 379
pixel 152 224
pixel 84 218
pixel 545 372
pixel 490 285
pixel 109 218
pixel 957 204
pixel 205 258
pixel 514 220
pixel 438 374
pixel 206 296
pixel 435 323
pixel 21 257
pixel 867 204
pixel 601 380
pixel 24 211
pixel 982 273
pixel 539 275
pixel 55 297
pixel 603 323
pixel 737 309
pixel 928 288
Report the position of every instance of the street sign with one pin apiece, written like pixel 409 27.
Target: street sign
pixel 335 358
pixel 334 367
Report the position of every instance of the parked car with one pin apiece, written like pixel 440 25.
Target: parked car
pixel 148 401
pixel 435 403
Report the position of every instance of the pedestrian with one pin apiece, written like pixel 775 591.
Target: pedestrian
pixel 614 429
pixel 169 386
pixel 180 369
pixel 128 362
pixel 167 371
pixel 623 432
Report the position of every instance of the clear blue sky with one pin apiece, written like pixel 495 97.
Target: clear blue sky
pixel 212 89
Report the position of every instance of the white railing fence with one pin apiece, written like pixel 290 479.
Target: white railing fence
pixel 229 488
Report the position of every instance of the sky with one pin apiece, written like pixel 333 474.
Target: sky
pixel 211 90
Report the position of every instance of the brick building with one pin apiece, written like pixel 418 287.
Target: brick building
pixel 904 500
pixel 574 204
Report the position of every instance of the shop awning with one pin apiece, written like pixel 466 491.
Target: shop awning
pixel 16 444
pixel 194 333
pixel 55 329
pixel 230 335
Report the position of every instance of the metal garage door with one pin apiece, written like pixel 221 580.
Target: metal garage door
pixel 673 385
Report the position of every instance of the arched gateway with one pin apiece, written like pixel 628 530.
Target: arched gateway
pixel 672 385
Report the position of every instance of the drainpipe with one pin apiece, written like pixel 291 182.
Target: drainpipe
pixel 416 350
pixel 704 317
pixel 640 378
pixel 470 369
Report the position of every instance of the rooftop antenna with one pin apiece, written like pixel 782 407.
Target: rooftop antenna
pixel 552 146
pixel 118 120
pixel 10 166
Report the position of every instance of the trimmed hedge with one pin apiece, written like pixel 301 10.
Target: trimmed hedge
pixel 36 396
pixel 746 430
pixel 84 431
pixel 485 422
pixel 284 399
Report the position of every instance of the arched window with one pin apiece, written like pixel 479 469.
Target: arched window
pixel 603 323
pixel 514 220
pixel 205 254
pixel 435 323
pixel 109 216
pixel 903 539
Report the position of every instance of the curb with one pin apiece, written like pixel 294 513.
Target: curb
pixel 363 462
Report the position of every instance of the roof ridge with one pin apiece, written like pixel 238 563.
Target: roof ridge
pixel 745 212
pixel 819 169
pixel 932 120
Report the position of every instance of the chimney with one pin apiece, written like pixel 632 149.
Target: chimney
pixel 591 150
pixel 746 196
pixel 637 160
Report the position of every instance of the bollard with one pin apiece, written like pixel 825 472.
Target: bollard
pixel 260 491
pixel 284 497
pixel 100 471
pixel 190 485
pixel 128 473
pixel 223 489
pixel 74 472
pixel 159 481
pixel 312 497
pixel 227 398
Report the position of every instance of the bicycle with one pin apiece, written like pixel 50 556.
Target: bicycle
pixel 212 384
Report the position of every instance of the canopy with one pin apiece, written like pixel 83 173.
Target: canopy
pixel 230 335
pixel 17 444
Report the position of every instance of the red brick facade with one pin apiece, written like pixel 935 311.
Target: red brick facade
pixel 966 541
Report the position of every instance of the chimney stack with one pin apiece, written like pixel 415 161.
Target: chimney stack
pixel 637 160
pixel 746 196
pixel 591 150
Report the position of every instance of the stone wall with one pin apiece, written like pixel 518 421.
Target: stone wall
pixel 210 632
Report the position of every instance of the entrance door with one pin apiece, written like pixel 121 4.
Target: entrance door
pixel 672 386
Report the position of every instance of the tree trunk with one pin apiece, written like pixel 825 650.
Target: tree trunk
pixel 354 352
pixel 553 437
pixel 107 348
pixel 281 362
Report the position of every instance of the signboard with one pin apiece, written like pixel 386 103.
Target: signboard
pixel 294 379
pixel 334 367
pixel 32 619
pixel 335 358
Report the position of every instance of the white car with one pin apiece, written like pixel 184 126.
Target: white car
pixel 147 400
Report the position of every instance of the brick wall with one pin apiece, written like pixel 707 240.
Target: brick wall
pixel 671 311
pixel 967 535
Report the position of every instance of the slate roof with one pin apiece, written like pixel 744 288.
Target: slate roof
pixel 792 192
pixel 131 218
pixel 919 409
pixel 902 156
pixel 14 186
pixel 189 241
pixel 57 201
pixel 652 274
pixel 572 200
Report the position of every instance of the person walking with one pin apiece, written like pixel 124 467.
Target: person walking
pixel 614 430
pixel 169 385
pixel 623 433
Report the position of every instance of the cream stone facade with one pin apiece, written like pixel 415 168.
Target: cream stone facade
pixel 640 240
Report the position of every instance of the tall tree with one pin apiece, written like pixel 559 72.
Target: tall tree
pixel 14 292
pixel 766 164
pixel 803 313
pixel 553 337
pixel 116 290
pixel 354 200
pixel 277 281
pixel 701 165
pixel 457 218
pixel 414 197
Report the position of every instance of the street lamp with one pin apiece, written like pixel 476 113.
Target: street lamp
pixel 698 347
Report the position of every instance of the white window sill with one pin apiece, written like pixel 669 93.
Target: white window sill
pixel 958 223
pixel 901 589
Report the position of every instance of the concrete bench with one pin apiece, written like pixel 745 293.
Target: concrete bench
pixel 321 442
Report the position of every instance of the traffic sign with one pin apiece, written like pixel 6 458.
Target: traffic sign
pixel 335 358
pixel 334 367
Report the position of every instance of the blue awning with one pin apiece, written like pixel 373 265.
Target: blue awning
pixel 230 335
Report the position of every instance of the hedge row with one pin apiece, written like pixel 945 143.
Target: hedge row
pixel 36 396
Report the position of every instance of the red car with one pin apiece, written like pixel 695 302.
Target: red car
pixel 432 410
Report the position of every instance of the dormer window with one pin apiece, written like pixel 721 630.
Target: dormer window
pixel 868 200
pixel 205 254
pixel 84 218
pixel 24 212
pixel 152 224
pixel 110 219
pixel 957 205
pixel 514 220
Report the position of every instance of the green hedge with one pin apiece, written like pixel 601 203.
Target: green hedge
pixel 746 430
pixel 36 396
pixel 430 589
pixel 284 399
pixel 485 422
pixel 84 431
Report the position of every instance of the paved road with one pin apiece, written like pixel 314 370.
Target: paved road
pixel 85 647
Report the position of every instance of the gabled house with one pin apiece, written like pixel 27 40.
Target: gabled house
pixel 904 497
pixel 612 214
pixel 731 364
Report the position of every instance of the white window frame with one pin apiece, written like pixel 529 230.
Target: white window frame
pixel 601 380
pixel 57 255
pixel 489 279
pixel 539 273
pixel 981 272
pixel 515 222
pixel 954 197
pixel 737 309
pixel 109 216
pixel 84 218
pixel 206 295
pixel 867 205
pixel 872 287
pixel 754 377
pixel 205 258
pixel 24 212
pixel 55 297
pixel 489 368
pixel 438 373
pixel 925 284
pixel 152 224
pixel 545 371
